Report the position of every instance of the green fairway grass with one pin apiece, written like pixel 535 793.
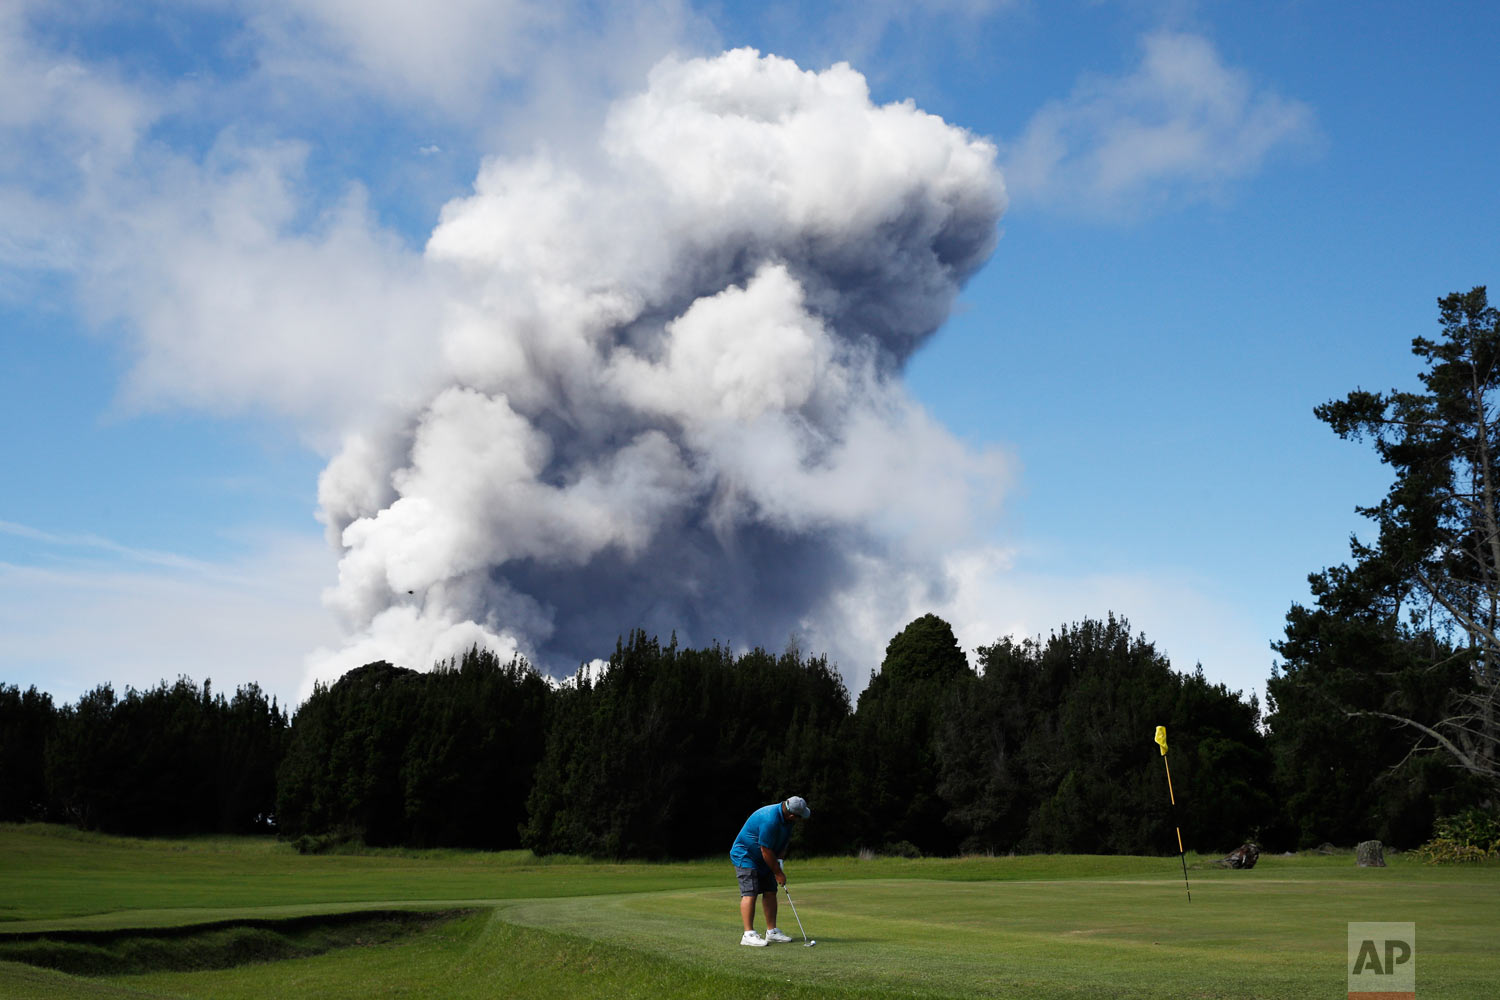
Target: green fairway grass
pixel 1034 927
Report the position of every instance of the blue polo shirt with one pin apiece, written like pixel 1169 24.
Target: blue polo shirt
pixel 764 828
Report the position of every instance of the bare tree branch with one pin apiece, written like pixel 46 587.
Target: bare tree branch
pixel 1465 760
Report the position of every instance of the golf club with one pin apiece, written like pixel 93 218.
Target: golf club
pixel 805 942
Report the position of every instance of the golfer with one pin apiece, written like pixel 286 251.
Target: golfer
pixel 757 854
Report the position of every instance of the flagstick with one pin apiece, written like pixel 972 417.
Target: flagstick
pixel 1180 853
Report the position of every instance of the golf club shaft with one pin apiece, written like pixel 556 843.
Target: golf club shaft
pixel 794 914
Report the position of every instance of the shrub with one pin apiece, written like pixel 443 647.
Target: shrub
pixel 1472 835
pixel 901 849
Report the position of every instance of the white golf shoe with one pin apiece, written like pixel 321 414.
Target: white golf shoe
pixel 774 936
pixel 753 940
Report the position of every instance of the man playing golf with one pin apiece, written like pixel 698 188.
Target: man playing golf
pixel 757 854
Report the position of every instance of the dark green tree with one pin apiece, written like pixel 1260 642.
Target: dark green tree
pixel 1100 790
pixel 166 775
pixel 27 722
pixel 1400 658
pixel 894 773
pixel 997 745
pixel 633 750
pixel 925 652
pixel 1219 745
pixel 173 759
pixel 1050 749
pixel 390 756
pixel 1345 772
pixel 666 751
pixel 82 761
pixel 982 778
pixel 341 774
pixel 251 737
pixel 808 755
pixel 470 762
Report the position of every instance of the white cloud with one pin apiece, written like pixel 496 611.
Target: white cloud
pixel 1182 125
pixel 444 50
pixel 453 57
pixel 66 127
pixel 235 290
pixel 881 36
pixel 235 304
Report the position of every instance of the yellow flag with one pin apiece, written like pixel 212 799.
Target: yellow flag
pixel 1161 739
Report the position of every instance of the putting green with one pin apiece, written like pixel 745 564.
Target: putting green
pixel 1255 936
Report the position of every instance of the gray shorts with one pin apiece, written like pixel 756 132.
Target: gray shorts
pixel 754 881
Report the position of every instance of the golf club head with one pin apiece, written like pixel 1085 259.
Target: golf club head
pixel 809 944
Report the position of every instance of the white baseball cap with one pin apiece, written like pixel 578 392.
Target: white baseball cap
pixel 798 805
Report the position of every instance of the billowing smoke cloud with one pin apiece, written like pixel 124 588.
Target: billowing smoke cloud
pixel 670 387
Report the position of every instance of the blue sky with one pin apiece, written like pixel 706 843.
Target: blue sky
pixel 1219 215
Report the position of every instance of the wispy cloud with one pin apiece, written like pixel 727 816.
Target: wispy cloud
pixel 452 57
pixel 858 31
pixel 84 610
pixel 1180 127
pixel 98 544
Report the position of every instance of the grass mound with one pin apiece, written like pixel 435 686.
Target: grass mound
pixel 219 945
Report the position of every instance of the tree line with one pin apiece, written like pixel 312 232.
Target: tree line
pixel 1040 745
pixel 173 759
pixel 1384 713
